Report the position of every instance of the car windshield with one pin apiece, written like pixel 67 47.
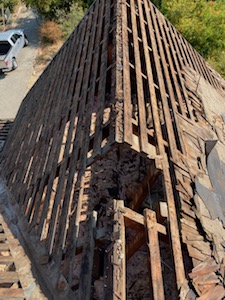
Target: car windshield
pixel 4 47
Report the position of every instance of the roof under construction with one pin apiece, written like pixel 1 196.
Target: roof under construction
pixel 113 171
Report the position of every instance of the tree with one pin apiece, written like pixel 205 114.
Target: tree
pixel 8 3
pixel 202 23
pixel 49 8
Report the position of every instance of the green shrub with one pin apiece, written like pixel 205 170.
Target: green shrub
pixel 70 20
pixel 217 61
pixel 11 4
pixel 202 23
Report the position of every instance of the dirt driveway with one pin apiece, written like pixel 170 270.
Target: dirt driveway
pixel 14 85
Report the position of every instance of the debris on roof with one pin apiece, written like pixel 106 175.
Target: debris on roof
pixel 115 163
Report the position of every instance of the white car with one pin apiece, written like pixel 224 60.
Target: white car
pixel 11 42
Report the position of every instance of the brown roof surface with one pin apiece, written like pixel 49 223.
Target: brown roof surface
pixel 105 150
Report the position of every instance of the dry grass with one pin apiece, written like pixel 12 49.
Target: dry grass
pixel 50 32
pixel 51 40
pixel 43 58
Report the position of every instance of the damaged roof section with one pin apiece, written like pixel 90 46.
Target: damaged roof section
pixel 211 187
pixel 115 163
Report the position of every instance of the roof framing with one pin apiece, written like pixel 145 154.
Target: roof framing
pixel 125 84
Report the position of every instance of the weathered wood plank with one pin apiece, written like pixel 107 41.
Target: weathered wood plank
pixel 102 89
pixel 154 253
pixel 48 198
pixel 74 238
pixel 182 48
pixel 193 59
pixel 216 293
pixel 6 260
pixel 2 237
pixel 138 218
pixel 119 253
pixel 177 59
pixel 210 278
pixel 66 190
pixel 174 68
pixel 206 267
pixel 51 148
pixel 139 84
pixel 162 68
pixel 11 293
pixel 8 277
pixel 126 79
pixel 33 132
pixel 87 259
pixel 56 206
pixel 117 79
pixel 51 161
pixel 175 236
pixel 4 247
pixel 132 215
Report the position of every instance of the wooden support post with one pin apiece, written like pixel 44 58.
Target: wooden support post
pixel 75 232
pixel 119 257
pixel 132 217
pixel 154 252
pixel 87 261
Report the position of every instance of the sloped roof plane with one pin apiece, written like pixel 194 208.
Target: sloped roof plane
pixel 105 150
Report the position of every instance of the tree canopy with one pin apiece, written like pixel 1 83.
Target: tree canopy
pixel 49 8
pixel 8 3
pixel 202 23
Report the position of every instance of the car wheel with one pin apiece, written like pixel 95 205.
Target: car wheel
pixel 25 41
pixel 14 64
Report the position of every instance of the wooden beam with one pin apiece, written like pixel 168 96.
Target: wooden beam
pixel 154 253
pixel 4 247
pixel 8 277
pixel 133 216
pixel 87 260
pixel 75 232
pixel 11 294
pixel 6 260
pixel 137 218
pixel 126 79
pixel 143 138
pixel 119 254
